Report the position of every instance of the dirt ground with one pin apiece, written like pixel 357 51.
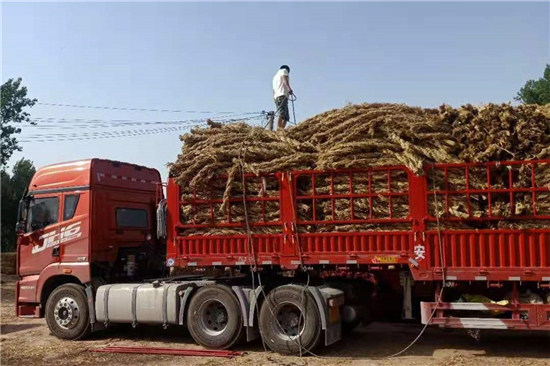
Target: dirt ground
pixel 28 342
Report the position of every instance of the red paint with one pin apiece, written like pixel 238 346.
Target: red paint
pixel 168 351
pixel 102 186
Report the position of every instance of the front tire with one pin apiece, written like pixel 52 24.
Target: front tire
pixel 67 313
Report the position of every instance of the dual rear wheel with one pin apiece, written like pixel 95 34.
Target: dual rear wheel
pixel 289 319
pixel 214 317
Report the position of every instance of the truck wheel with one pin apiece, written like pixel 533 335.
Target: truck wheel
pixel 214 318
pixel 67 312
pixel 285 328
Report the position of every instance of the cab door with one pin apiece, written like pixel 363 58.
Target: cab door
pixel 41 234
pixel 74 230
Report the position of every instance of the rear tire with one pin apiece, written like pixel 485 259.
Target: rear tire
pixel 67 313
pixel 214 318
pixel 279 318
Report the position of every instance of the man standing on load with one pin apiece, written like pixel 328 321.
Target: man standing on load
pixel 281 92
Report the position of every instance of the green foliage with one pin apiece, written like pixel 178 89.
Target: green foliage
pixel 12 190
pixel 536 91
pixel 14 99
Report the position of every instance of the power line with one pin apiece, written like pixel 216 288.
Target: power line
pixel 68 120
pixel 75 136
pixel 68 123
pixel 100 135
pixel 51 122
pixel 46 123
pixel 134 109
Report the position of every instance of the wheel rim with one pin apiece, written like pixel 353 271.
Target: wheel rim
pixel 213 317
pixel 286 323
pixel 66 313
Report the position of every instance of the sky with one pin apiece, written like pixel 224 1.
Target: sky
pixel 221 57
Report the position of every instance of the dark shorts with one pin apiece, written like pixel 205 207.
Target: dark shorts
pixel 282 107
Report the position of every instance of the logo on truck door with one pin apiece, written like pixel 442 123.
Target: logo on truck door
pixel 54 238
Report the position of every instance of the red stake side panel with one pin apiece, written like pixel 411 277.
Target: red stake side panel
pixel 378 216
pixel 490 255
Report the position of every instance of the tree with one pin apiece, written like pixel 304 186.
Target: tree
pixel 536 91
pixel 14 99
pixel 12 191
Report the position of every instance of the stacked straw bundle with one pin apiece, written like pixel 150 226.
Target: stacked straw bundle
pixel 363 136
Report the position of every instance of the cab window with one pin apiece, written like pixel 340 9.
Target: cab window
pixel 69 208
pixel 42 212
pixel 131 218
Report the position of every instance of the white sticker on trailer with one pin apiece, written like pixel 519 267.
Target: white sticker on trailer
pixel 467 306
pixel 483 323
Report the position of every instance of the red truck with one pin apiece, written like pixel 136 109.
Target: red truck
pixel 100 244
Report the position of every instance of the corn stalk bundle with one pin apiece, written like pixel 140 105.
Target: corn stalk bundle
pixel 370 135
pixel 366 136
pixel 221 149
pixel 499 132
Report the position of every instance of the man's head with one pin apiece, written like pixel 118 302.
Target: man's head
pixel 285 67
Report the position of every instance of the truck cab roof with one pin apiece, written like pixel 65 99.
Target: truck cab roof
pixel 87 173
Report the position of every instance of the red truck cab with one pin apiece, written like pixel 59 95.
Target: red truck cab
pixel 83 219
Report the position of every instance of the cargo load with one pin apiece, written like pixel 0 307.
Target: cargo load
pixel 366 136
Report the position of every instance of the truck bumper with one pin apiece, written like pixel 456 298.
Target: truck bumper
pixel 518 317
pixel 26 304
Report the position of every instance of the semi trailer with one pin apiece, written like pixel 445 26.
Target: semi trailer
pixel 103 242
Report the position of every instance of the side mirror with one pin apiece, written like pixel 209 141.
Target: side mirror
pixel 24 240
pixel 20 228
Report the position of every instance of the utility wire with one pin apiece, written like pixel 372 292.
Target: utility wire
pixel 97 124
pixel 103 135
pixel 130 109
pixel 87 124
pixel 182 125
pixel 71 120
pixel 51 137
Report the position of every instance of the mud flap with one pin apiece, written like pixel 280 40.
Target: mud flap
pixel 248 299
pixel 183 302
pixel 94 326
pixel 328 302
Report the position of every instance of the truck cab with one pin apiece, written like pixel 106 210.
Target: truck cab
pixel 86 222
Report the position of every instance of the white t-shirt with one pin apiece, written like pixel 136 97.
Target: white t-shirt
pixel 279 87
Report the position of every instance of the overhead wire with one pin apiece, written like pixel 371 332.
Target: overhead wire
pixel 129 108
pixel 72 120
pixel 182 125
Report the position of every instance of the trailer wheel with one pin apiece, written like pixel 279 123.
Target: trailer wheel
pixel 285 328
pixel 214 318
pixel 67 313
